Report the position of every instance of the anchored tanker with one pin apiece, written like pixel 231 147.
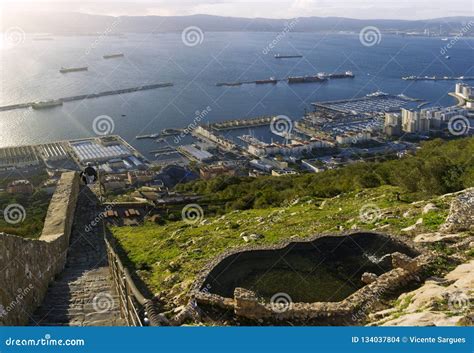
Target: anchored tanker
pixel 64 70
pixel 111 56
pixel 46 104
pixel 278 56
pixel 269 80
pixel 306 79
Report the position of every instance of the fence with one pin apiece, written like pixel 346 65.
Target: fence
pixel 135 308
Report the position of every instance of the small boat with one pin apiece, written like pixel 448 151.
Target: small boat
pixel 444 39
pixel 64 70
pixel 447 57
pixel 111 56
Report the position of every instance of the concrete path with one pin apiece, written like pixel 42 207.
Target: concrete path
pixel 83 294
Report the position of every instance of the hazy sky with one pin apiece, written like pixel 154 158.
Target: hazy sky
pixel 402 9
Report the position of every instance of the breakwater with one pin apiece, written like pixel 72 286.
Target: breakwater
pixel 90 95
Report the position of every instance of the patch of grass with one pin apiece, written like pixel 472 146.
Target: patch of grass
pixel 151 248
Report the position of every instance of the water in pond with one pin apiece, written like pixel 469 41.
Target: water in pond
pixel 328 269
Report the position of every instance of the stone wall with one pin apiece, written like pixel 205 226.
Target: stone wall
pixel 28 266
pixel 351 310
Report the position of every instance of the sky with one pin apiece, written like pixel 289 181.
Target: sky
pixel 363 9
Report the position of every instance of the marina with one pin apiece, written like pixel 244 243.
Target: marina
pixel 438 78
pixel 60 101
pixel 374 102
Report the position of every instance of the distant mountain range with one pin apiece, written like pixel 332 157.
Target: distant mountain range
pixel 77 23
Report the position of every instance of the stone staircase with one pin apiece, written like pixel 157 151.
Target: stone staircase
pixel 82 295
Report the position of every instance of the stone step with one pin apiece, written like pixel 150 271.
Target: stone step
pixel 69 300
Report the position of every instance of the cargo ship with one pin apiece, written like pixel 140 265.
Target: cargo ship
pixel 269 80
pixel 111 56
pixel 47 104
pixel 347 74
pixel 64 70
pixel 306 79
pixel 230 84
pixel 278 56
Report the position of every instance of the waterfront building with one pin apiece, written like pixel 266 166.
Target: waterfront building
pixel 194 153
pixel 393 124
pixel 20 187
pixel 215 170
pixel 413 121
pixel 464 90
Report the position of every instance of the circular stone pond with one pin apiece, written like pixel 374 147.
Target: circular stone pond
pixel 325 269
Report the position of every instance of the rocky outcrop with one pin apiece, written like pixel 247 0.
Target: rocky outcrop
pixel 461 213
pixel 444 301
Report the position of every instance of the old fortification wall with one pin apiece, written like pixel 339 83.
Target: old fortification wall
pixel 28 266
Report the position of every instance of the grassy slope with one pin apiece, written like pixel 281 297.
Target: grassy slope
pixel 168 257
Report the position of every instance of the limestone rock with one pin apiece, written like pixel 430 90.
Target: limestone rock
pixel 368 277
pixel 429 207
pixel 461 213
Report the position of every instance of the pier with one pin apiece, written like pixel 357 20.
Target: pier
pixel 320 77
pixel 91 95
pixel 242 123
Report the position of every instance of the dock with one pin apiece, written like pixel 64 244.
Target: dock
pixel 320 77
pixel 91 95
pixel 242 123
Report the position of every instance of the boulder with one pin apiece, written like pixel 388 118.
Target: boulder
pixel 368 277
